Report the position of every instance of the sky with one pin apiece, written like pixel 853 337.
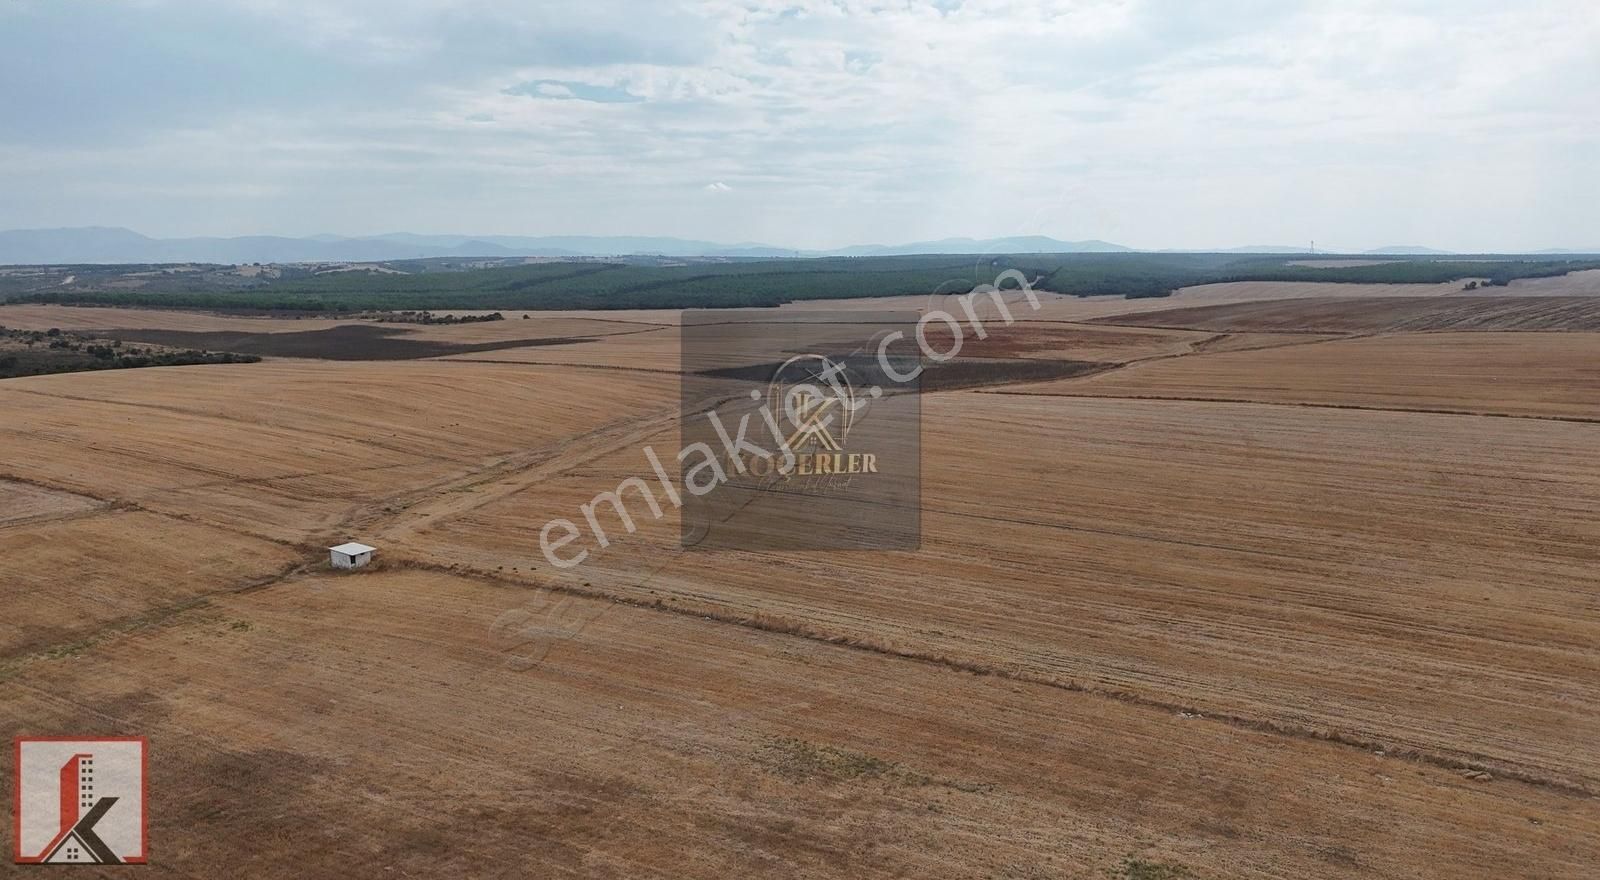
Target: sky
pixel 1466 125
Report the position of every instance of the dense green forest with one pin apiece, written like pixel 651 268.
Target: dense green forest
pixel 716 284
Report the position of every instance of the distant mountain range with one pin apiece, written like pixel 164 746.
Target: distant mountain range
pixel 115 245
pixel 1410 250
pixel 1025 244
pixel 99 244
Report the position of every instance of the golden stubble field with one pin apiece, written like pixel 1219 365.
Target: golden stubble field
pixel 1255 603
pixel 1542 375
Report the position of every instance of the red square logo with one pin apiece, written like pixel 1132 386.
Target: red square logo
pixel 80 801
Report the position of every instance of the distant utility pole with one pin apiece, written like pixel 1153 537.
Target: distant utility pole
pixel 1313 246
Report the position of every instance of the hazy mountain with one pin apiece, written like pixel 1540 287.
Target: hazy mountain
pixel 554 245
pixel 106 245
pixel 1246 249
pixel 1408 250
pixel 1025 244
pixel 99 244
pixel 677 247
pixel 90 244
pixel 103 245
pixel 110 245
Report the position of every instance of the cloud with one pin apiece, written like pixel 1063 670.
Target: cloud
pixel 718 187
pixel 571 90
pixel 1152 122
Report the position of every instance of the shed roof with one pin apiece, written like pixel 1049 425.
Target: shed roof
pixel 352 549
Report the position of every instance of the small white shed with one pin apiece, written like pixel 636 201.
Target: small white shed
pixel 351 555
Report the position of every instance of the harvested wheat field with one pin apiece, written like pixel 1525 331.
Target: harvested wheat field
pixel 1389 315
pixel 654 744
pixel 288 450
pixel 1552 375
pixel 1159 624
pixel 1058 307
pixel 1583 283
pixel 1228 559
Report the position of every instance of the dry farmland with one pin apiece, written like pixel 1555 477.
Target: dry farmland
pixel 1294 581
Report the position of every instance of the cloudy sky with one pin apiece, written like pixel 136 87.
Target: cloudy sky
pixel 1461 124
